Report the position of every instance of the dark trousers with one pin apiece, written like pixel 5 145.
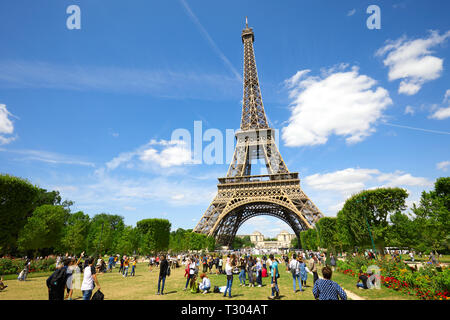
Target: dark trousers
pixel 188 279
pixel 316 276
pixel 163 279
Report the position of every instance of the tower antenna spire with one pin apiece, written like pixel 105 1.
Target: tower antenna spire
pixel 246 22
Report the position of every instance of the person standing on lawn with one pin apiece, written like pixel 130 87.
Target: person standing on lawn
pixel 126 264
pixel 313 267
pixel 294 266
pixel 163 272
pixel 332 261
pixel 89 280
pixel 229 272
pixel 122 259
pixel 303 273
pixel 110 263
pixel 242 277
pixel 274 275
pixel 133 267
pixel 57 281
pixel 71 269
pixel 325 289
pixel 250 268
pixel 192 266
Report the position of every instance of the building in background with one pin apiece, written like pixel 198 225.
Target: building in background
pixel 283 241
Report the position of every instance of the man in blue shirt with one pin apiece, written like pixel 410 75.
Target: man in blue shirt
pixel 274 275
pixel 325 289
pixel 110 263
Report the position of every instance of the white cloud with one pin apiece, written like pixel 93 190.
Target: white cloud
pixel 399 178
pixel 444 165
pixel 6 126
pixel 340 102
pixel 412 62
pixel 351 12
pixel 409 110
pixel 171 153
pixel 344 181
pixel 330 190
pixel 106 191
pixel 443 112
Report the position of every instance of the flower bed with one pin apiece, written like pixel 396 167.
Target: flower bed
pixel 427 283
pixel 15 266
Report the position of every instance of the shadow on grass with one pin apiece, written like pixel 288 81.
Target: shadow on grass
pixel 170 292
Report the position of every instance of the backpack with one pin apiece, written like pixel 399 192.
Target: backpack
pixel 58 278
pixel 98 296
pixel 216 289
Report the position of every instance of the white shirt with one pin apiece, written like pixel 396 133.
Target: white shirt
pixel 88 280
pixel 206 282
pixel 294 264
pixel 229 269
pixel 192 268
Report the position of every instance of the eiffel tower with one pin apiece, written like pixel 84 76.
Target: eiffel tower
pixel 242 195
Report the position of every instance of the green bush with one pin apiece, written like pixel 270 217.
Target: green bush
pixel 15 266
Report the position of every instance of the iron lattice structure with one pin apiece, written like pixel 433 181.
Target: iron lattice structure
pixel 242 195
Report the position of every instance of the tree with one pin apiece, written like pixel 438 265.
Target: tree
pixel 155 234
pixel 17 202
pixel 75 233
pixel 402 232
pixel 43 229
pixel 104 233
pixel 345 238
pixel 129 241
pixel 433 216
pixel 308 239
pixel 242 242
pixel 327 230
pixel 370 209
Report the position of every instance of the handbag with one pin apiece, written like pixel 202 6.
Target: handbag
pixel 98 295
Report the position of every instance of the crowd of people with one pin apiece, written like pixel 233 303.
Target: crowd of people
pixel 250 270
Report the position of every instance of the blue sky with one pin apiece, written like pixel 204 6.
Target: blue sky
pixel 90 112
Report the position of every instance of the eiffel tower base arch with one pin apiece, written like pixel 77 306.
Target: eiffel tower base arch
pixel 230 224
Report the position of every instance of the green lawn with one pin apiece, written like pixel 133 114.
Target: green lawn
pixel 144 286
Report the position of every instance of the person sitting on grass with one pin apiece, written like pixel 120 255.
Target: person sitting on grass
pixel 325 289
pixel 2 285
pixel 365 283
pixel 205 285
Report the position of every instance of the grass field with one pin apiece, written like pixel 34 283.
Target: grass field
pixel 144 286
